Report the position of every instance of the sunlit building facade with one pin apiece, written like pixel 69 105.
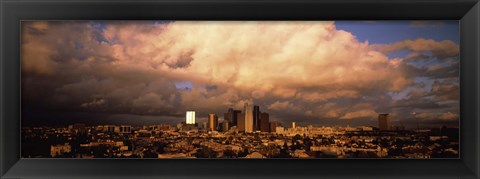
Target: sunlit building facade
pixel 241 122
pixel 248 118
pixel 212 122
pixel 190 117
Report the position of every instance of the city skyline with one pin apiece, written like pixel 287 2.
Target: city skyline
pixel 322 73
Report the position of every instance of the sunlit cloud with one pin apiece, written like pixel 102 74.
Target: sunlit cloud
pixel 306 69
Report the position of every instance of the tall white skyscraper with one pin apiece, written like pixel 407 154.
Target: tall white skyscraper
pixel 248 118
pixel 190 116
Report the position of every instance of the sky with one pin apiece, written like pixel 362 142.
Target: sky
pixel 323 73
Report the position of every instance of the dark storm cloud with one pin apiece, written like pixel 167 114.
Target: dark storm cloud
pixel 446 90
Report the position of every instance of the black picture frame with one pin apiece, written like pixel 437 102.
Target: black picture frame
pixel 13 11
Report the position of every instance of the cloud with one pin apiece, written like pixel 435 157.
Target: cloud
pixel 446 90
pixel 438 49
pixel 416 56
pixel 301 70
pixel 360 110
pixel 449 116
pixel 323 96
pixel 94 103
pixel 278 106
pixel 359 114
pixel 446 117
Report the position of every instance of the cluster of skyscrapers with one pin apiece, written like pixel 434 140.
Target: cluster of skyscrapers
pixel 251 119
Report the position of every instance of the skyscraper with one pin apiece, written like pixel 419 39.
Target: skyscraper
pixel 273 126
pixel 256 118
pixel 235 117
pixel 264 122
pixel 212 122
pixel 384 122
pixel 248 110
pixel 225 126
pixel 230 116
pixel 190 117
pixel 241 121
pixel 293 125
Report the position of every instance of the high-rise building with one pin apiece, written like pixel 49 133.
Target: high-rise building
pixel 235 117
pixel 212 122
pixel 256 118
pixel 384 122
pixel 264 122
pixel 273 126
pixel 225 126
pixel 241 121
pixel 231 116
pixel 190 117
pixel 293 125
pixel 248 110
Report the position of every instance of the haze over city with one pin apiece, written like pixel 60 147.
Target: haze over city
pixel 323 73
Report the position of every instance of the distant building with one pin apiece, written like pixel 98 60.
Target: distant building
pixel 225 126
pixel 190 117
pixel 452 133
pixel 232 116
pixel 384 122
pixel 109 128
pixel 235 117
pixel 264 122
pixel 125 129
pixel 99 128
pixel 212 122
pixel 163 127
pixel 279 130
pixel 241 123
pixel 229 116
pixel 293 125
pixel 248 110
pixel 116 129
pixel 273 126
pixel 365 128
pixel 189 127
pixel 78 128
pixel 56 150
pixel 398 128
pixel 256 117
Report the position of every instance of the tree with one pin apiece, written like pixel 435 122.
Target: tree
pixel 205 152
pixel 244 153
pixel 229 153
